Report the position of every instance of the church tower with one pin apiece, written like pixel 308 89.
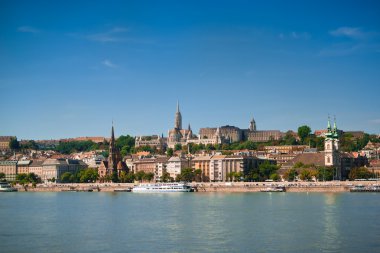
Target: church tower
pixel 252 125
pixel 178 118
pixel 332 146
pixel 114 155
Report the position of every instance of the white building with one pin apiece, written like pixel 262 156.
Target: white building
pixel 175 165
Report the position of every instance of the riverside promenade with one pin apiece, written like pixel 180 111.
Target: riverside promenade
pixel 331 186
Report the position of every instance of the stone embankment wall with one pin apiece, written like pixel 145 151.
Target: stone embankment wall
pixel 336 186
pixel 109 187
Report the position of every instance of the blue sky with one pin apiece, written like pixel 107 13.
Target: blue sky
pixel 69 68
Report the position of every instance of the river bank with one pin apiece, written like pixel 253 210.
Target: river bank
pixel 334 186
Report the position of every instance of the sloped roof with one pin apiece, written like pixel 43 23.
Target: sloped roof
pixel 308 158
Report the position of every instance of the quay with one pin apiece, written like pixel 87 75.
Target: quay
pixel 332 186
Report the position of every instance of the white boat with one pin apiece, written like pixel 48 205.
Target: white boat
pixel 6 187
pixel 163 187
pixel 274 189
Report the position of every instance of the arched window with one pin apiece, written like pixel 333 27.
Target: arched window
pixel 328 159
pixel 328 146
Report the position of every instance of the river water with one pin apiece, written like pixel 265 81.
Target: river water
pixel 189 222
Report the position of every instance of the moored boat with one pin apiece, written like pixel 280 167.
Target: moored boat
pixel 362 188
pixel 123 190
pixel 276 188
pixel 6 187
pixel 163 187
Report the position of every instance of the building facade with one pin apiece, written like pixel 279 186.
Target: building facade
pixel 4 142
pixel 176 164
pixel 9 168
pixel 154 141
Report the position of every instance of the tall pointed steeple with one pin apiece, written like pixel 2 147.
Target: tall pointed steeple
pixel 252 125
pixel 178 119
pixel 329 125
pixel 113 157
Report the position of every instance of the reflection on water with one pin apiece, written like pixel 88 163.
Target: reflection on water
pixel 331 238
pixel 185 222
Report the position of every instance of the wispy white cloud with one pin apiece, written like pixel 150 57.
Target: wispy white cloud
pixel 353 33
pixel 28 29
pixel 109 64
pixel 113 35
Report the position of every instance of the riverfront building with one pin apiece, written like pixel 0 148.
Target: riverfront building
pixel 9 168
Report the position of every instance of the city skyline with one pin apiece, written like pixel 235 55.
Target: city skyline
pixel 68 69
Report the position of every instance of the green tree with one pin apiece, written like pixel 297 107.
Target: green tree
pixel 22 178
pixel 169 152
pixel 165 177
pixel 148 176
pixel 177 147
pixel 2 176
pixel 360 173
pixel 125 144
pixel 76 146
pixel 325 173
pixel 289 139
pixel 29 145
pixel 290 175
pixel 140 175
pixel 89 175
pixel 114 176
pixel 198 175
pixel 266 169
pixel 66 177
pixel 303 132
pixel 14 144
pixel 275 177
pixel 306 174
pixel 187 175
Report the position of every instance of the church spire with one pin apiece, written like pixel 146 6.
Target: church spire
pixel 252 125
pixel 112 134
pixel 178 118
pixel 328 125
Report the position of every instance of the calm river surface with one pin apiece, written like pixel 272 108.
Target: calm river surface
pixel 189 222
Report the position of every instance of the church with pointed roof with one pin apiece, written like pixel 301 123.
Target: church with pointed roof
pixel 114 161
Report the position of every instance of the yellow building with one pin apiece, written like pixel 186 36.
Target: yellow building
pixel 4 142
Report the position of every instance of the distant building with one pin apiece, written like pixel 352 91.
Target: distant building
pixel 147 165
pixel 23 166
pixel 161 167
pixel 9 168
pixel 36 167
pixel 4 142
pixel 155 165
pixel 230 134
pixel 222 165
pixel 154 141
pixel 202 163
pixel 286 149
pixel 176 164
pixel 177 135
pixel 54 168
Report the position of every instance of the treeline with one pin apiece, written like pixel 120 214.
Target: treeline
pixel 30 178
pixel 307 173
